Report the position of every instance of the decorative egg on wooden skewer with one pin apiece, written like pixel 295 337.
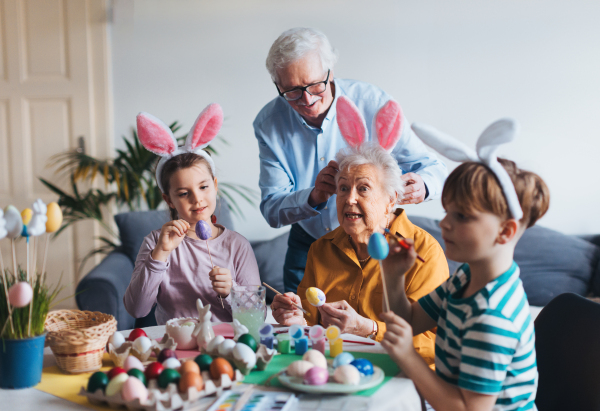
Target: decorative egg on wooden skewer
pixel 20 294
pixel 315 296
pixel 203 230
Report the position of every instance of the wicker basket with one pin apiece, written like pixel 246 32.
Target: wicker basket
pixel 77 338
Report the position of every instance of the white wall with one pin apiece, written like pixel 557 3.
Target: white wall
pixel 456 65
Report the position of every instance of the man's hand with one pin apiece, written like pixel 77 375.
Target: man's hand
pixel 346 318
pixel 414 189
pixel 324 184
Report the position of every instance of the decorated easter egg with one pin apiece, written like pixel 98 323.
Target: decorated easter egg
pixel 172 363
pixel 214 343
pixel 189 366
pixel 20 294
pixel 203 230
pixel 343 358
pixel 166 353
pixel 316 332
pixel 139 374
pixel 226 347
pixel 249 340
pixel 98 381
pixel 14 222
pixel 333 332
pixel 346 374
pixel 315 296
pixel 142 344
pixel 3 231
pixel 315 357
pixel 116 340
pixel 316 376
pixel 167 377
pixel 364 366
pixel 191 379
pixel 378 247
pixel 296 331
pixel 298 368
pixel 244 353
pixel 132 362
pixel 203 361
pixel 55 217
pixel 26 215
pixel 153 370
pixel 116 371
pixel 134 389
pixel 220 366
pixel 135 334
pixel 115 384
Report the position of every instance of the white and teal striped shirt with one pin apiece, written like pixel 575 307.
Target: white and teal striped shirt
pixel 485 343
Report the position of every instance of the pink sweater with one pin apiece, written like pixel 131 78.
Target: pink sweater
pixel 177 283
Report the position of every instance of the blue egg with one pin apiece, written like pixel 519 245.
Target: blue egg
pixel 365 367
pixel 378 246
pixel 344 358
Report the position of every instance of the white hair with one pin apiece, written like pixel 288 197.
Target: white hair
pixel 373 154
pixel 294 44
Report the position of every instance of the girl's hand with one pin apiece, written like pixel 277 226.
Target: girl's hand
pixel 341 314
pixel 171 235
pixel 221 280
pixel 284 312
pixel 398 339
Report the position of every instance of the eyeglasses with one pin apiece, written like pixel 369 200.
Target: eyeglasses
pixel 312 89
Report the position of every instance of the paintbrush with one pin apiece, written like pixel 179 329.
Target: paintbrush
pixel 402 243
pixel 295 305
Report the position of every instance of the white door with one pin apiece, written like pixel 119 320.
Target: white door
pixel 54 88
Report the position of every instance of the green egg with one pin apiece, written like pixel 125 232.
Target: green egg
pixel 204 361
pixel 134 372
pixel 167 377
pixel 98 380
pixel 249 341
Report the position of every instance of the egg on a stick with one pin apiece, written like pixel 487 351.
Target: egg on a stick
pixel 204 232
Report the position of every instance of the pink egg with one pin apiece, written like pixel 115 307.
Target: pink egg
pixel 20 294
pixel 134 388
pixel 316 376
pixel 133 362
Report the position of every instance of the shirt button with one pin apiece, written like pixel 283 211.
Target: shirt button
pixel 327 228
pixel 322 158
pixel 352 297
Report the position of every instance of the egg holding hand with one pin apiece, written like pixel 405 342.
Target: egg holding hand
pixel 315 296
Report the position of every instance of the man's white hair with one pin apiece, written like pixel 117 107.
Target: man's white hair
pixel 294 44
pixel 373 154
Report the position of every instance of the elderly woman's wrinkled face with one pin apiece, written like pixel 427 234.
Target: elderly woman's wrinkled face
pixel 363 205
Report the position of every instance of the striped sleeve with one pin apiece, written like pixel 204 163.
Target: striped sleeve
pixel 432 302
pixel 488 347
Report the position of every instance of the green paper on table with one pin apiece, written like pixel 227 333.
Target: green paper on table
pixel 281 361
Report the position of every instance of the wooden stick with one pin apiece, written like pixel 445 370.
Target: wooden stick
pixel 34 265
pixel 213 266
pixel 386 299
pixel 402 243
pixel 30 281
pixel 14 257
pixel 45 256
pixel 295 305
pixel 243 400
pixel 12 327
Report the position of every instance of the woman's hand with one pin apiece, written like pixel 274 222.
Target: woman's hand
pixel 346 318
pixel 221 281
pixel 171 235
pixel 284 311
pixel 398 339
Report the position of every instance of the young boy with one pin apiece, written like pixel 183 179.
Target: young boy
pixel 485 344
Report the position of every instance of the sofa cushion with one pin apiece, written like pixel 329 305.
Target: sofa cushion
pixel 270 256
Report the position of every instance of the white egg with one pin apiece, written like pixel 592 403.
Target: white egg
pixel 133 362
pixel 298 368
pixel 142 344
pixel 171 363
pixel 315 357
pixel 134 388
pixel 243 353
pixel 115 385
pixel 226 347
pixel 116 340
pixel 347 374
pixel 214 343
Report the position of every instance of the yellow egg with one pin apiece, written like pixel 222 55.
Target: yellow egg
pixel 55 217
pixel 26 215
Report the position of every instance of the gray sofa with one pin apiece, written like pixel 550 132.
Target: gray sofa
pixel 551 263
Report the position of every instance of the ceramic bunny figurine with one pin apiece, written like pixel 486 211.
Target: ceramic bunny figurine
pixel 204 332
pixel 239 329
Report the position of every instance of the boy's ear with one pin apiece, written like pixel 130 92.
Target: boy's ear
pixel 508 231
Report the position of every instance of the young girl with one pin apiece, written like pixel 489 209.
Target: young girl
pixel 485 345
pixel 173 267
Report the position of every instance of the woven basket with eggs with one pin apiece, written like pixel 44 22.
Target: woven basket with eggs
pixel 77 338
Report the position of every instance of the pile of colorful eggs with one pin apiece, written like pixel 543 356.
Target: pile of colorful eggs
pixel 312 369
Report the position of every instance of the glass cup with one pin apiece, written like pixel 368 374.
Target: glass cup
pixel 249 307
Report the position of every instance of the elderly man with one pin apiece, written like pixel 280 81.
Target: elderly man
pixel 298 139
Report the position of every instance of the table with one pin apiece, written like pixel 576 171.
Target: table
pixel 399 394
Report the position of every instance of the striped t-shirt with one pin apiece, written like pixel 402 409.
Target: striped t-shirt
pixel 485 343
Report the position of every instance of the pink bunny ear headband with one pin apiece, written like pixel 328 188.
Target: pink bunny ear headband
pixel 158 138
pixel 500 132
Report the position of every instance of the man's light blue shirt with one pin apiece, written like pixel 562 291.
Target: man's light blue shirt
pixel 292 153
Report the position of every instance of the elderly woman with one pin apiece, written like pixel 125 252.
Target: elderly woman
pixel 368 187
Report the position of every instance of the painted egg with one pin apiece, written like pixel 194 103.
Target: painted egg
pixel 166 353
pixel 172 363
pixel 220 366
pixel 20 294
pixel 203 361
pixel 342 359
pixel 142 344
pixel 116 340
pixel 226 347
pixel 115 384
pixel 333 332
pixel 153 370
pixel 132 362
pixel 135 334
pixel 378 247
pixel 26 215
pixel 315 296
pixel 346 374
pixel 296 331
pixel 243 353
pixel 189 366
pixel 365 367
pixel 98 381
pixel 167 377
pixel 316 376
pixel 139 374
pixel 203 230
pixel 3 231
pixel 14 222
pixel 315 357
pixel 266 330
pixel 214 343
pixel 249 340
pixel 55 217
pixel 134 389
pixel 298 368
pixel 191 379
pixel 316 332
pixel 115 371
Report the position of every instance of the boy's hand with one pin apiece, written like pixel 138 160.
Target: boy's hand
pixel 221 281
pixel 341 314
pixel 398 339
pixel 284 312
pixel 171 235
pixel 398 261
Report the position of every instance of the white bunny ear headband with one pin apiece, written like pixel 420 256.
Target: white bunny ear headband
pixel 500 132
pixel 158 138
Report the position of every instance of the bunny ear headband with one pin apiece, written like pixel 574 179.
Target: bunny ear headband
pixel 158 138
pixel 500 132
